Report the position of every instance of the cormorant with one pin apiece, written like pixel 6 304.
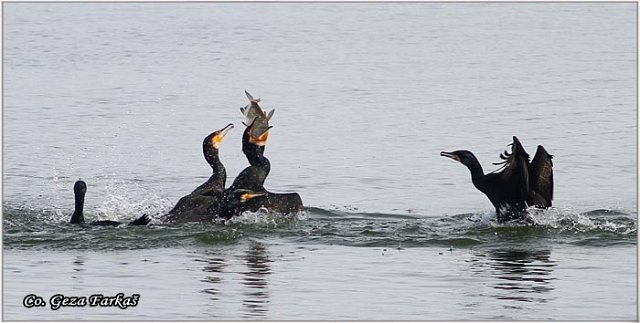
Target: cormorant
pixel 235 202
pixel 204 202
pixel 283 203
pixel 517 184
pixel 210 150
pixel 253 177
pixel 79 190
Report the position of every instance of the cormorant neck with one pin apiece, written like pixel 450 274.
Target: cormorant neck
pixel 212 157
pixel 476 172
pixel 77 216
pixel 254 153
pixel 261 161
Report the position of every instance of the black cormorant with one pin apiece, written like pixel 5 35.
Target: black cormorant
pixel 235 202
pixel 252 178
pixel 515 186
pixel 283 203
pixel 79 190
pixel 204 202
pixel 210 150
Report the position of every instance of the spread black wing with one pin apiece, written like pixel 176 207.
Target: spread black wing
pixel 514 174
pixel 541 175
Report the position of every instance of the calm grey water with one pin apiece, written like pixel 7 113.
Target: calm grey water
pixel 366 96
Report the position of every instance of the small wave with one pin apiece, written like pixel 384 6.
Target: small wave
pixel 599 212
pixel 335 213
pixel 415 243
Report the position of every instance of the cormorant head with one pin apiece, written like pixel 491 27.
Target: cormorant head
pixel 214 139
pixel 80 188
pixel 241 196
pixel 465 157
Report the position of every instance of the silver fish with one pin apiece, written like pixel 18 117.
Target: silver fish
pixel 254 114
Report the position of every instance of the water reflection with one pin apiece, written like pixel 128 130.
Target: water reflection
pixel 78 263
pixel 256 279
pixel 521 275
pixel 214 266
pixel 78 269
pixel 254 293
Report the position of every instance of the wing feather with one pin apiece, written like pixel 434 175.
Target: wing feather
pixel 541 173
pixel 515 171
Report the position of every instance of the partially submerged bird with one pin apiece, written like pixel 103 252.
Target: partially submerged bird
pixel 79 190
pixel 235 202
pixel 282 203
pixel 517 184
pixel 255 115
pixel 204 202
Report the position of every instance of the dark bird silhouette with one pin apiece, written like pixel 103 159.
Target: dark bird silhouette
pixel 517 184
pixel 253 177
pixel 235 202
pixel 282 203
pixel 210 150
pixel 204 202
pixel 79 190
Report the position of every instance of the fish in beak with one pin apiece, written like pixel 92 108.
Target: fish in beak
pixel 254 115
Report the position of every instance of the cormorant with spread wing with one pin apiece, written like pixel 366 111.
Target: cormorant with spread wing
pixel 517 185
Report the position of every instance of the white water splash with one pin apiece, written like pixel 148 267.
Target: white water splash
pixel 265 218
pixel 571 220
pixel 127 200
pixel 561 218
pixel 486 218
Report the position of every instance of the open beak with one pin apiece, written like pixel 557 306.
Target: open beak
pixel 225 130
pixel 450 155
pixel 247 196
pixel 217 139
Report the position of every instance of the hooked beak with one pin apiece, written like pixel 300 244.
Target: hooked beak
pixel 247 196
pixel 450 155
